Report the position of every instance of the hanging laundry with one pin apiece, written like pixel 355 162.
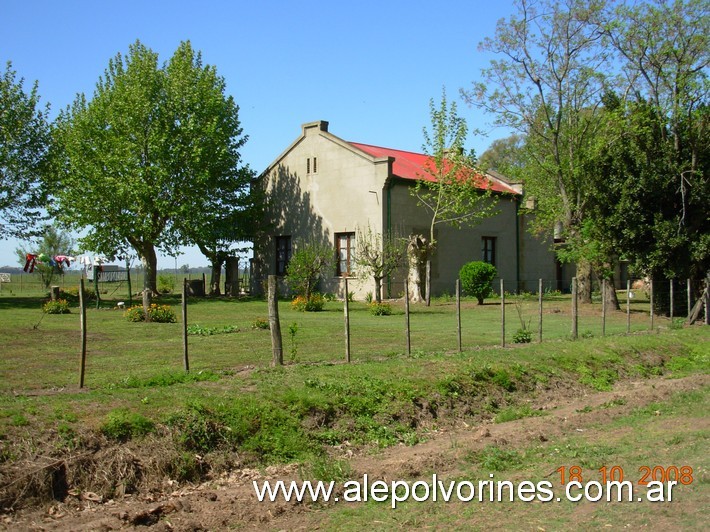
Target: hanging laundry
pixel 63 260
pixel 30 261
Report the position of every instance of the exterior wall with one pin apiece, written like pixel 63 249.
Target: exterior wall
pixel 351 189
pixel 343 195
pixel 457 246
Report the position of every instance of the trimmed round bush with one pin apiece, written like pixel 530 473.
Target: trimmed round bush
pixel 477 278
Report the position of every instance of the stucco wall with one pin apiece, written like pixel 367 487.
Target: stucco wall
pixel 343 195
pixel 350 189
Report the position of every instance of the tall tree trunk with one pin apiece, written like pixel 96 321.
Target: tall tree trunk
pixel 415 255
pixel 584 281
pixel 149 260
pixel 150 269
pixel 216 262
pixel 612 302
pixel 427 296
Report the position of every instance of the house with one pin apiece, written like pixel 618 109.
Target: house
pixel 325 189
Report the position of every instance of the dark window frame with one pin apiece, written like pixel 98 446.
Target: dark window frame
pixel 284 251
pixel 488 249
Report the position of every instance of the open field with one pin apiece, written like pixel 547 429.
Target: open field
pixel 143 426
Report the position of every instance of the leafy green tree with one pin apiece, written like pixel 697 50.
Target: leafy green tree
pixel 506 155
pixel 657 149
pixel 547 85
pixel 477 278
pixel 378 256
pixel 307 266
pixel 452 191
pixel 149 161
pixel 24 138
pixel 51 243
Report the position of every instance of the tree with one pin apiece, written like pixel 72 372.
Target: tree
pixel 24 137
pixel 148 162
pixel 452 191
pixel 547 86
pixel 306 267
pixel 53 242
pixel 657 153
pixel 378 256
pixel 476 278
pixel 506 155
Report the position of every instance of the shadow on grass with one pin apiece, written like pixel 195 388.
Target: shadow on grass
pixel 8 303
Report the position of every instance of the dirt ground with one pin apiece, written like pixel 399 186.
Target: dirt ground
pixel 230 502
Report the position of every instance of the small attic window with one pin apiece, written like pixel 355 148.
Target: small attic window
pixel 311 164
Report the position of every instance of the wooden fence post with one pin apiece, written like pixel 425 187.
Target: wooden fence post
pixel 274 323
pixel 651 301
pixel 346 312
pixel 82 321
pixel 185 358
pixel 458 312
pixel 128 280
pixel 539 317
pixel 406 314
pixel 575 315
pixel 628 306
pixel 671 296
pixel 690 299
pixel 502 313
pixel 604 289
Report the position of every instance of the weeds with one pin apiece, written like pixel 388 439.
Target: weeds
pixel 123 425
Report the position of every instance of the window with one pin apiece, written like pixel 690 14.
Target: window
pixel 283 254
pixel 345 248
pixel 488 249
pixel 311 164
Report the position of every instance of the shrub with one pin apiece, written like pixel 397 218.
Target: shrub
pixel 122 425
pixel 166 283
pixel 314 303
pixel 260 323
pixel 306 267
pixel 522 336
pixel 60 306
pixel 380 309
pixel 476 278
pixel 156 313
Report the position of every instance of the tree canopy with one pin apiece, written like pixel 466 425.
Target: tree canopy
pixel 24 138
pixel 611 101
pixel 152 159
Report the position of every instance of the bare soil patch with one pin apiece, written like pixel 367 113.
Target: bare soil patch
pixel 229 501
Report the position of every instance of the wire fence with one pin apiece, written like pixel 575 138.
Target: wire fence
pixel 32 284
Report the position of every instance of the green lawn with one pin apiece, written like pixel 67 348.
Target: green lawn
pixel 233 401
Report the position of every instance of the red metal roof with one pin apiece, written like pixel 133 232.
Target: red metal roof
pixel 411 165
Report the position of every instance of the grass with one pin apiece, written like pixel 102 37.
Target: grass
pixel 679 436
pixel 233 401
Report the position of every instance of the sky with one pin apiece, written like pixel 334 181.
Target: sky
pixel 370 68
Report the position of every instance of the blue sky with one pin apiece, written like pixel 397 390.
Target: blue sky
pixel 369 68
